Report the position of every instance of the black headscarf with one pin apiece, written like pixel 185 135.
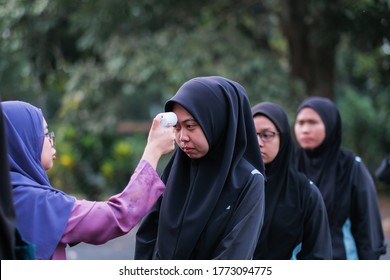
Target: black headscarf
pixel 328 166
pixel 194 187
pixel 285 194
pixel 7 210
pixel 276 114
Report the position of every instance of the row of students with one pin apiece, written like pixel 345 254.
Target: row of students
pixel 297 218
pixel 231 190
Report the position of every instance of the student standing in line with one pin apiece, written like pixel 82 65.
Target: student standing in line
pixel 52 219
pixel 345 184
pixel 213 206
pixel 295 222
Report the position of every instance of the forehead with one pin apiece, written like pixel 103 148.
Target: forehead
pixel 44 123
pixel 262 122
pixel 308 113
pixel 181 112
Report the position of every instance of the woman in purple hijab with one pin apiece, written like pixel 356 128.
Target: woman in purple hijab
pixel 52 219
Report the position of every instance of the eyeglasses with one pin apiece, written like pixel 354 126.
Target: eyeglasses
pixel 267 136
pixel 51 137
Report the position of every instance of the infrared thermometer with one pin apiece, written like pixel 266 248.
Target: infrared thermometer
pixel 168 119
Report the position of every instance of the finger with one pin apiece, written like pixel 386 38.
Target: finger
pixel 156 122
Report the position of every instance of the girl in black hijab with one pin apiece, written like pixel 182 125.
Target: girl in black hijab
pixel 213 206
pixel 295 215
pixel 344 181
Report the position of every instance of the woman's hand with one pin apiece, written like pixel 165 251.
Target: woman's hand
pixel 161 140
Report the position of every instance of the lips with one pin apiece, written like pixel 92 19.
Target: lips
pixel 187 150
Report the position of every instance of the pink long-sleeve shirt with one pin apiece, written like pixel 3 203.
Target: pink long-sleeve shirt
pixel 96 222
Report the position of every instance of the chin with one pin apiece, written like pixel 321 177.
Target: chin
pixel 48 167
pixel 306 146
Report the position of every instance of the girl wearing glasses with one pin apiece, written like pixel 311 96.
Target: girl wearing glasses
pixel 295 222
pixel 52 219
pixel 344 181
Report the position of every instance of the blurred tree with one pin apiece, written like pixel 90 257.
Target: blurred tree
pixel 93 64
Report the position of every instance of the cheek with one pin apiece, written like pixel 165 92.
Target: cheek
pixel 296 129
pixel 201 144
pixel 46 155
pixel 320 134
pixel 275 150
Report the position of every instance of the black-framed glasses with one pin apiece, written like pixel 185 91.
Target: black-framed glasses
pixel 267 135
pixel 51 137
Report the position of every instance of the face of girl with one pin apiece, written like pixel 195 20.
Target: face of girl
pixel 189 135
pixel 268 137
pixel 309 129
pixel 48 152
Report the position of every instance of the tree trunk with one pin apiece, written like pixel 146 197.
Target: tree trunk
pixel 311 48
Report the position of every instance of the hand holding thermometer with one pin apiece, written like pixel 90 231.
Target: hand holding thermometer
pixel 168 119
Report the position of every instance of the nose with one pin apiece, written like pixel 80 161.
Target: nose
pixel 261 143
pixel 305 128
pixel 183 137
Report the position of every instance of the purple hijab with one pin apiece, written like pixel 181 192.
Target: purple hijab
pixel 42 212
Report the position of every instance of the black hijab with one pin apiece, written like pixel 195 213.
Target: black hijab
pixel 283 217
pixel 194 187
pixel 322 164
pixel 276 114
pixel 7 210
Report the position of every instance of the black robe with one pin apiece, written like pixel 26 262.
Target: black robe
pixel 295 213
pixel 213 207
pixel 347 188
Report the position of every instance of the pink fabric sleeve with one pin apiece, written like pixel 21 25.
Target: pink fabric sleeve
pixel 98 222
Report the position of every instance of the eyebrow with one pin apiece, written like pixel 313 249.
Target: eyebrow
pixel 267 129
pixel 189 120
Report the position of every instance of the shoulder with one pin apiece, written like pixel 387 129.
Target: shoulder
pixel 308 189
pixel 249 180
pixel 301 181
pixel 360 177
pixel 246 170
pixel 358 166
pixel 347 157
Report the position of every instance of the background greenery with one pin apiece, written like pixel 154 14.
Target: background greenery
pixel 92 65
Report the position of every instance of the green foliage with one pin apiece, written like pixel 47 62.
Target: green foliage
pixel 360 124
pixel 366 126
pixel 91 65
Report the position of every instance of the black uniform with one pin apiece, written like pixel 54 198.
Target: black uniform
pixel 347 188
pixel 295 213
pixel 213 207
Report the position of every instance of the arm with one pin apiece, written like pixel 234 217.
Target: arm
pixel 98 222
pixel 316 241
pixel 365 215
pixel 242 233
